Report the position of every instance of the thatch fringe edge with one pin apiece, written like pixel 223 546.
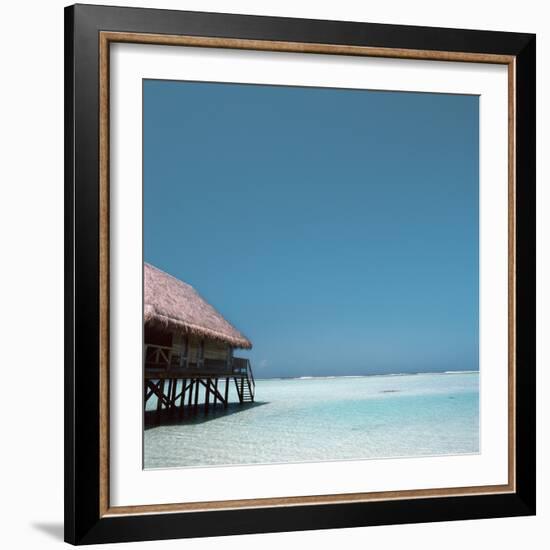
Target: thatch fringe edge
pixel 167 322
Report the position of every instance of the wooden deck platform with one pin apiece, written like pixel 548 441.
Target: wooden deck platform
pixel 180 373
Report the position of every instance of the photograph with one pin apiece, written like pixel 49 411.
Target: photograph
pixel 310 274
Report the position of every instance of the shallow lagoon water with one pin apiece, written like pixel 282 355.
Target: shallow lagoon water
pixel 315 419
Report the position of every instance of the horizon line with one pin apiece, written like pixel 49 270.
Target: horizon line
pixel 321 377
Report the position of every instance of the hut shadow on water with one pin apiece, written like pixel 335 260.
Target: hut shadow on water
pixel 171 417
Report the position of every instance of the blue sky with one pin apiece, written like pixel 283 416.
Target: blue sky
pixel 337 229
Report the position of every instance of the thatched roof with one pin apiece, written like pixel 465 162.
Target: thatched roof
pixel 175 305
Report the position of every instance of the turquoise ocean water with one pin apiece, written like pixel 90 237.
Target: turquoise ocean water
pixel 315 419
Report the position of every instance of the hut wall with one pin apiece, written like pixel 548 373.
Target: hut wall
pixel 193 352
pixel 178 341
pixel 213 349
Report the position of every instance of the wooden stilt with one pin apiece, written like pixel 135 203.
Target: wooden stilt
pixel 159 396
pixel 207 396
pixel 237 388
pixel 182 400
pixel 169 393
pixel 215 392
pixel 175 393
pixel 190 398
pixel 226 392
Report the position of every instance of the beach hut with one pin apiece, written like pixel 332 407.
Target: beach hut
pixel 189 348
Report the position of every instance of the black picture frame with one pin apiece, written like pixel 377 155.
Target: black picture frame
pixel 84 523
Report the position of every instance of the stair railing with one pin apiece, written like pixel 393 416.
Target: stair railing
pixel 250 375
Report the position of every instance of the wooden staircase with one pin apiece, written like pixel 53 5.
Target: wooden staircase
pixel 245 384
